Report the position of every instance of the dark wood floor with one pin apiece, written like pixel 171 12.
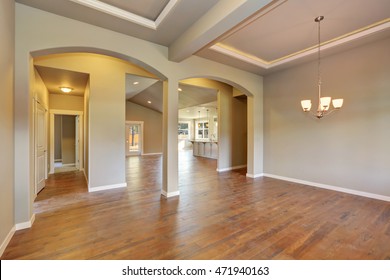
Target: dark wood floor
pixel 217 216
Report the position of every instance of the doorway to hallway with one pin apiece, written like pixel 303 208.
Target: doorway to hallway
pixel 66 141
pixel 134 138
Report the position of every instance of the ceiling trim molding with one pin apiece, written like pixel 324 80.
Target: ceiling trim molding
pixel 123 14
pixel 349 37
pixel 163 15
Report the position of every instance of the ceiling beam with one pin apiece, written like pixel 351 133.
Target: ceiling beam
pixel 224 16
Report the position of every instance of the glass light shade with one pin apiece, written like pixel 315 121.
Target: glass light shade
pixel 306 105
pixel 66 89
pixel 337 103
pixel 325 103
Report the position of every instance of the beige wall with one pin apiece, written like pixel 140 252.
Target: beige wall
pixel 68 140
pixel 7 44
pixel 152 126
pixel 349 149
pixel 66 102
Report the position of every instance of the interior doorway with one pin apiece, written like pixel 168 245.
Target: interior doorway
pixel 134 138
pixel 40 146
pixel 66 141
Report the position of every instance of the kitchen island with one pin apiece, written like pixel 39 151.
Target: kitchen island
pixel 205 148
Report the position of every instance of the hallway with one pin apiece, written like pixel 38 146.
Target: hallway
pixel 217 216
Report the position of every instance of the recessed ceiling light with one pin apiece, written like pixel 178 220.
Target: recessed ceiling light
pixel 179 89
pixel 149 101
pixel 135 83
pixel 66 89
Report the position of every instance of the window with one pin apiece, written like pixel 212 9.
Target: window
pixel 202 130
pixel 183 130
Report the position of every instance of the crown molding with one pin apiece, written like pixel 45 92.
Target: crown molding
pixel 123 14
pixel 346 38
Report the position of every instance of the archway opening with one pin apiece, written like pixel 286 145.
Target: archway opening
pixel 216 136
pixel 103 105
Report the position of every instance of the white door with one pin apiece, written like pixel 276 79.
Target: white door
pixel 40 148
pixel 134 138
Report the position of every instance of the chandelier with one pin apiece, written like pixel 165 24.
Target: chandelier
pixel 323 102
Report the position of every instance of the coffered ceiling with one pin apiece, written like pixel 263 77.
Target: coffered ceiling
pixel 259 36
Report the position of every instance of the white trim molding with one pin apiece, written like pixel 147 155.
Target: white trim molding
pixel 106 187
pixel 126 15
pixel 152 154
pixel 25 225
pixel 254 175
pixel 329 187
pixel 7 240
pixel 170 194
pixel 231 168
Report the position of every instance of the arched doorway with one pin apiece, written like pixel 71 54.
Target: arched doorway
pixel 43 41
pixel 226 122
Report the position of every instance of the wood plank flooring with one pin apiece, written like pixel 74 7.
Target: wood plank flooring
pixel 217 216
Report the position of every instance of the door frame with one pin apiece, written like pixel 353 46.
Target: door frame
pixel 37 104
pixel 80 147
pixel 141 123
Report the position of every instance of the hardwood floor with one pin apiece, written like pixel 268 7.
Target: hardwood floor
pixel 217 216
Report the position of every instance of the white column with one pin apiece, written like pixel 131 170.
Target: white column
pixel 170 149
pixel 255 135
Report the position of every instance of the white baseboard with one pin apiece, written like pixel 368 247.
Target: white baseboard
pixel 329 187
pixel 7 239
pixel 107 187
pixel 170 194
pixel 69 165
pixel 24 225
pixel 152 154
pixel 254 175
pixel 231 168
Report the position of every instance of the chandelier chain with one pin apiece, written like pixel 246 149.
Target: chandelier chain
pixel 319 58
